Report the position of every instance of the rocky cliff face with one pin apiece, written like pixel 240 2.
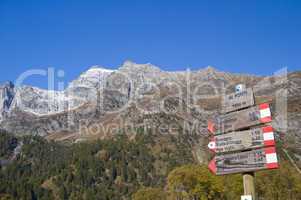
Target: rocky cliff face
pixel 88 83
pixel 7 94
pixel 104 102
pixel 41 102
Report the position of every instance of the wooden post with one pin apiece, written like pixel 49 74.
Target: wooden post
pixel 249 184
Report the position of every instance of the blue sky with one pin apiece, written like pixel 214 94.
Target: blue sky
pixel 256 37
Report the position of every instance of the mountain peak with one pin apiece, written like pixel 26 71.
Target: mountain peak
pixel 210 69
pixel 97 68
pixel 129 65
pixel 92 77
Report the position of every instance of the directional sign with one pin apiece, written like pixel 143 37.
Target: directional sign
pixel 240 119
pixel 237 101
pixel 247 161
pixel 242 140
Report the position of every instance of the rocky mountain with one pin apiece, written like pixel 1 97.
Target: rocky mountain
pixel 7 94
pixel 103 102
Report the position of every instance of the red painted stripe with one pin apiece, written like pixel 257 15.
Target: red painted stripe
pixel 269 142
pixel 270 150
pixel 211 127
pixel 263 106
pixel 267 129
pixel 212 166
pixel 266 119
pixel 272 165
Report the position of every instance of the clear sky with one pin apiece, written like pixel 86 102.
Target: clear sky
pixel 255 37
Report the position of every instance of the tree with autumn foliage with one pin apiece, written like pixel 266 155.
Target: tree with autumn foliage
pixel 150 194
pixel 279 184
pixel 194 182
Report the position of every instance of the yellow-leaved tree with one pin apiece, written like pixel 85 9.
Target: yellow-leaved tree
pixel 283 183
pixel 149 194
pixel 194 182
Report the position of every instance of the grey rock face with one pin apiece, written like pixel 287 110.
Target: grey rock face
pixel 41 102
pixel 88 83
pixel 7 94
pixel 137 92
pixel 38 101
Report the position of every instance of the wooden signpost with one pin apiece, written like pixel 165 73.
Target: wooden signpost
pixel 240 119
pixel 239 100
pixel 247 161
pixel 242 140
pixel 241 147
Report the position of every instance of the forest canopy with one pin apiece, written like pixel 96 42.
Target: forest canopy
pixel 143 168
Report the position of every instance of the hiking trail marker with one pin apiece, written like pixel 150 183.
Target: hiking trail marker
pixel 240 146
pixel 238 100
pixel 247 161
pixel 242 140
pixel 240 119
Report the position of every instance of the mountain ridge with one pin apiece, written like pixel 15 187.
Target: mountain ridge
pixel 135 95
pixel 87 79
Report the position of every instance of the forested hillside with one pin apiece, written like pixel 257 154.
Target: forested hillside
pixel 148 167
pixel 103 169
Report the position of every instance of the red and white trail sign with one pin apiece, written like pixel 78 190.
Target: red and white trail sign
pixel 242 140
pixel 248 161
pixel 240 147
pixel 240 119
